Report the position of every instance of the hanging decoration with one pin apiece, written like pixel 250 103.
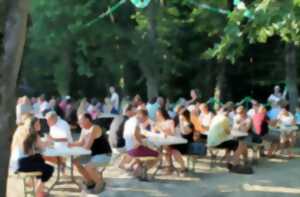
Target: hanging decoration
pixel 140 3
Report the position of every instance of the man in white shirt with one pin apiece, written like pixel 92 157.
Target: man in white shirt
pixel 114 99
pixel 59 129
pixel 129 130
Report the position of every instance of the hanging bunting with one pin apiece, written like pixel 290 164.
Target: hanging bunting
pixel 140 3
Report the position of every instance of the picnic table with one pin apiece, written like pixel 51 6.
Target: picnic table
pixel 160 140
pixel 64 151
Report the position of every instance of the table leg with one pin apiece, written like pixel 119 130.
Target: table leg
pixel 160 165
pixel 58 178
pixel 57 181
pixel 73 180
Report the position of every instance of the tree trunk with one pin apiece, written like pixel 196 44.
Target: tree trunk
pixel 152 86
pixel 63 72
pixel 221 82
pixel 150 68
pixel 14 40
pixel 291 75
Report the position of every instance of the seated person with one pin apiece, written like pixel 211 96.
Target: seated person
pixel 26 157
pixel 116 130
pixel 167 127
pixel 261 124
pixel 287 126
pixel 219 137
pixel 92 138
pixel 205 116
pixel 60 130
pixel 145 123
pixel 254 109
pixel 242 124
pixel 136 147
pixel 60 133
pixel 199 128
pixel 241 121
pixel 187 131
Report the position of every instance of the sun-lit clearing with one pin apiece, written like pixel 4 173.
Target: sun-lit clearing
pixel 271 189
pixel 151 192
pixel 278 160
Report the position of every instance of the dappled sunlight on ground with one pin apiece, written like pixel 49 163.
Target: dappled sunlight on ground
pixel 271 189
pixel 277 177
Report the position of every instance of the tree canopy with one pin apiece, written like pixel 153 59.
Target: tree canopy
pixel 166 48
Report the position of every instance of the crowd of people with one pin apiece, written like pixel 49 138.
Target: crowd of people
pixel 204 127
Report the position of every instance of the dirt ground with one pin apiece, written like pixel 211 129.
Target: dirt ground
pixel 272 178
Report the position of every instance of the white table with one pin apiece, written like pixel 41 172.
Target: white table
pixel 64 151
pixel 159 140
pixel 238 134
pixel 106 115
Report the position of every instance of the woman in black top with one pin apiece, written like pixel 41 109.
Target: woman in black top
pixel 186 129
pixel 32 160
pixel 92 138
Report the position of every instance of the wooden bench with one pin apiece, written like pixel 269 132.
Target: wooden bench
pixel 256 149
pixel 29 176
pixel 143 161
pixel 214 156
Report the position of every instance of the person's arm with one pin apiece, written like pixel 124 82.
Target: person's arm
pixel 247 125
pixel 43 144
pixel 138 136
pixel 185 129
pixel 79 142
pixel 227 128
pixel 96 133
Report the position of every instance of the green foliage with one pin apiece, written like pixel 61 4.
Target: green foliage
pixel 180 42
pixel 270 18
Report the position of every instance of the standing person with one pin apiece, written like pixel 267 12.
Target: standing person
pixel 115 100
pixel 276 96
pixel 26 157
pixel 92 138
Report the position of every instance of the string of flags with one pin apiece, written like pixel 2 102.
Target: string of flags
pixel 141 4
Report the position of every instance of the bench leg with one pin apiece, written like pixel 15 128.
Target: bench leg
pixel 29 191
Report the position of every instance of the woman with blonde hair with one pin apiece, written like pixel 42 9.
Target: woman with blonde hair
pixel 26 155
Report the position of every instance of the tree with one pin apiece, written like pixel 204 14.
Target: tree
pixel 12 50
pixel 269 19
